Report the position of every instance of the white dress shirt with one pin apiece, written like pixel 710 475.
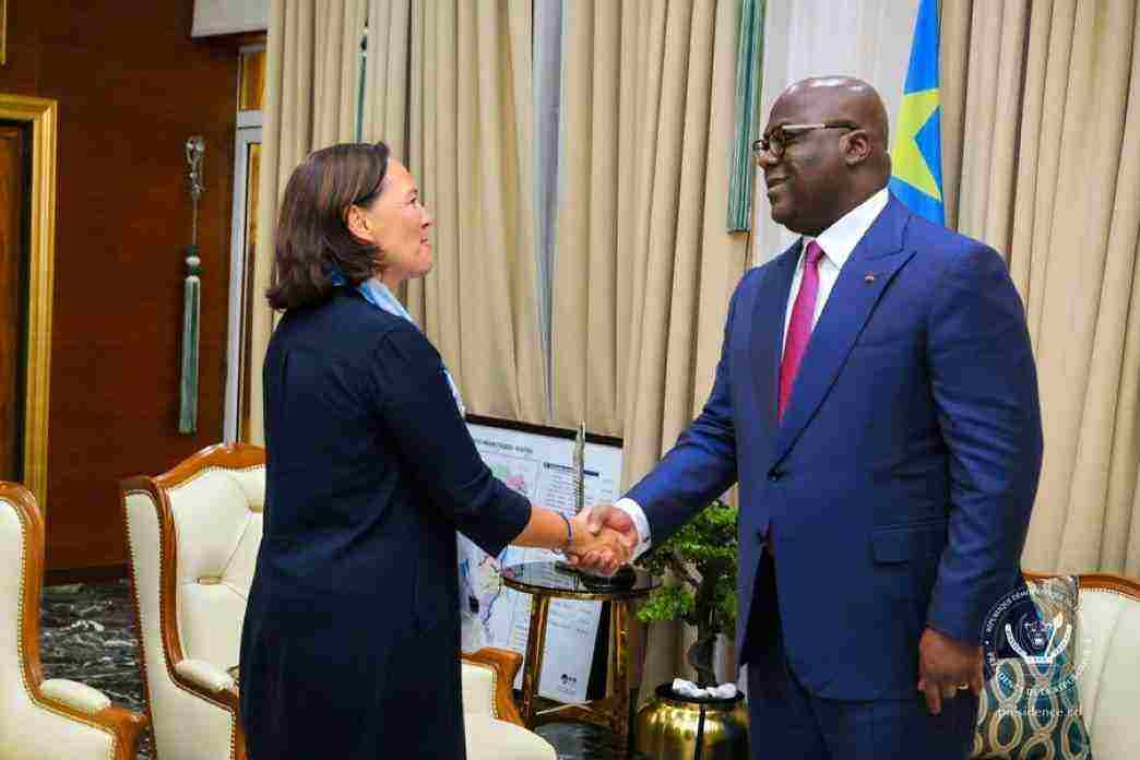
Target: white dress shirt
pixel 837 242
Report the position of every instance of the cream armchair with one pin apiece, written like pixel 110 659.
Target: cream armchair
pixel 1109 678
pixel 495 730
pixel 58 718
pixel 193 534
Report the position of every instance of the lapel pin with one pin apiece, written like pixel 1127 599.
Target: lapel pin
pixel 870 278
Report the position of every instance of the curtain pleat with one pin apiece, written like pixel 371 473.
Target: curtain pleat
pixel 471 150
pixel 643 265
pixel 1054 88
pixel 386 79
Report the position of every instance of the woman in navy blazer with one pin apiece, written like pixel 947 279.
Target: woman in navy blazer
pixel 350 648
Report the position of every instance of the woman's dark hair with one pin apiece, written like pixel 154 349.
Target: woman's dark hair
pixel 313 244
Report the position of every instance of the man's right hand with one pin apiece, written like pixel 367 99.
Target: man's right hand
pixel 607 561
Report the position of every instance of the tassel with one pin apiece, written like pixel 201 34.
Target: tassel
pixel 191 303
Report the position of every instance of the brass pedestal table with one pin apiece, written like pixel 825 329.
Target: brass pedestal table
pixel 547 580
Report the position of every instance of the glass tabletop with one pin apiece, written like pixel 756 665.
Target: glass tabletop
pixel 557 579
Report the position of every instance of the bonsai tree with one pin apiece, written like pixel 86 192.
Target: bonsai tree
pixel 702 556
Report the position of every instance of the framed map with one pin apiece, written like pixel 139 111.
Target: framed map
pixel 538 463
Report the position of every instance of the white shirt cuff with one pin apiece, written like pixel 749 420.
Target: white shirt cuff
pixel 640 521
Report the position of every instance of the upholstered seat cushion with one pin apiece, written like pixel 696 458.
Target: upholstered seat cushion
pixel 491 739
pixel 41 734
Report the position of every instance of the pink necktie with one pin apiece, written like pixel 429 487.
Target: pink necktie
pixel 799 328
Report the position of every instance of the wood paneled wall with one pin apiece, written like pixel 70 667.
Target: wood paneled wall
pixel 131 87
pixel 12 192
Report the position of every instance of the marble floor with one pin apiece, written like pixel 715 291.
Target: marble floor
pixel 89 636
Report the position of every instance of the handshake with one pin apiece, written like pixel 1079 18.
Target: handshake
pixel 604 539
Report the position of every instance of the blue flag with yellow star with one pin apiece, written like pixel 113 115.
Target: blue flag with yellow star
pixel 916 158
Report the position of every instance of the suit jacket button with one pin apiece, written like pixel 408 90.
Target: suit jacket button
pixel 774 475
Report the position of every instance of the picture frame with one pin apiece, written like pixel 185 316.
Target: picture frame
pixel 3 32
pixel 41 117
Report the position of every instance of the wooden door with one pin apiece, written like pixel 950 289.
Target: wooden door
pixel 12 179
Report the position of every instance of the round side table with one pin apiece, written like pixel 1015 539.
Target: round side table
pixel 548 580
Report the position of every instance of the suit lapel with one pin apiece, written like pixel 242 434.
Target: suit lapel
pixel 767 326
pixel 862 281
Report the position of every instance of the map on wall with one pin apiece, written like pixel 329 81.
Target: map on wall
pixel 539 466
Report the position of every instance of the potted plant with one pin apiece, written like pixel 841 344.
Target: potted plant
pixel 702 556
pixel 703 559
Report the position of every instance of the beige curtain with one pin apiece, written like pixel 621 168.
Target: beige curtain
pixel 312 81
pixel 590 297
pixel 643 266
pixel 1042 160
pixel 386 77
pixel 471 150
pixel 448 88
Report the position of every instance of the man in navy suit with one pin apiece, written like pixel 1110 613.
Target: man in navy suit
pixel 876 400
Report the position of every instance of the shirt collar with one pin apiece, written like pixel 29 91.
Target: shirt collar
pixel 840 239
pixel 378 294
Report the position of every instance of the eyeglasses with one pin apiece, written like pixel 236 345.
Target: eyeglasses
pixel 777 141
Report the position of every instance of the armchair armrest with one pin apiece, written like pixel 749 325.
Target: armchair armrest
pixel 503 665
pixel 214 685
pixel 88 704
pixel 209 682
pixel 204 675
pixel 75 695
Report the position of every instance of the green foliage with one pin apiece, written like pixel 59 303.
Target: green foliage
pixel 702 556
pixel 669 603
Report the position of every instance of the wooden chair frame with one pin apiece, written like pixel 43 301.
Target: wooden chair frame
pixel 505 665
pixel 230 457
pixel 1117 584
pixel 126 726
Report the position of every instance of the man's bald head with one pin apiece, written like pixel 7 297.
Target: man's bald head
pixel 825 172
pixel 846 98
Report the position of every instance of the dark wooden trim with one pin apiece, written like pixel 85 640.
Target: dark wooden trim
pixel 237 456
pixel 14 225
pixel 231 41
pixel 129 727
pixel 125 725
pixel 552 432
